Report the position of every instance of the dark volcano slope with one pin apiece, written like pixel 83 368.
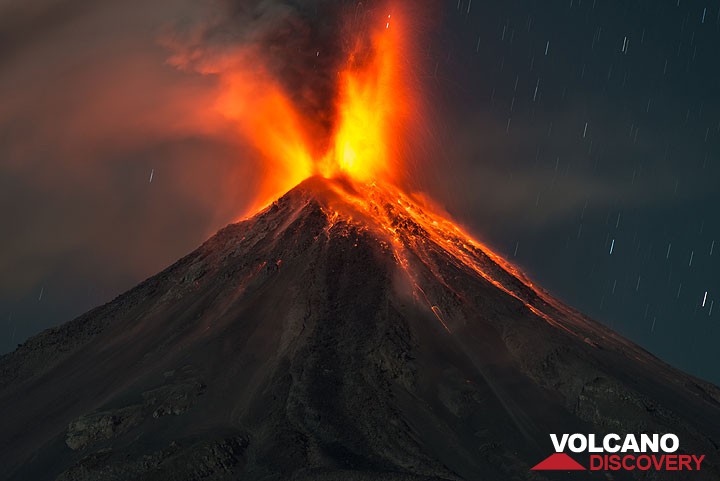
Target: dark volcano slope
pixel 292 346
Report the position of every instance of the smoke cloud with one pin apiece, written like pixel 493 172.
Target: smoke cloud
pixel 295 43
pixel 115 159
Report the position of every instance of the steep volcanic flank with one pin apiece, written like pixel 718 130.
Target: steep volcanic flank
pixel 344 333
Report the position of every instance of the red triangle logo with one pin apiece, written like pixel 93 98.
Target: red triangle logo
pixel 559 462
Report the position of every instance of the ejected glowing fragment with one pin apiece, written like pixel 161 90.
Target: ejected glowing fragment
pixel 438 314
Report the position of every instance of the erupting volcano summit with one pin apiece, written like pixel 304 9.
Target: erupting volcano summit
pixel 346 331
pixel 360 132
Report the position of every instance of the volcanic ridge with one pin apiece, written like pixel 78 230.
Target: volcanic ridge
pixel 345 332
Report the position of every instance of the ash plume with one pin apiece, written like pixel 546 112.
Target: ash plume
pixel 299 44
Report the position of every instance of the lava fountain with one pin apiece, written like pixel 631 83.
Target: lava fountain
pixel 363 161
pixel 373 106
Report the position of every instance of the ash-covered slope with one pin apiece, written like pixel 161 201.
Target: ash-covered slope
pixel 337 335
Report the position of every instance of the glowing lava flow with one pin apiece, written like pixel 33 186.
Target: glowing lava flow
pixel 423 241
pixel 373 108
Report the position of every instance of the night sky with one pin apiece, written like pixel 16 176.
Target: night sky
pixel 578 138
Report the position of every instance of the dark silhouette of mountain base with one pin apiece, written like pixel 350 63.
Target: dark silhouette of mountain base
pixel 343 333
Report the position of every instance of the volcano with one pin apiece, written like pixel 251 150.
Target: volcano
pixel 345 332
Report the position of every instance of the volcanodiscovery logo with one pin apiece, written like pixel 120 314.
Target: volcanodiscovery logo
pixel 613 452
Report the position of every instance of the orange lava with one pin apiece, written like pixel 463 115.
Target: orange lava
pixel 372 108
pixel 424 241
pixel 268 120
